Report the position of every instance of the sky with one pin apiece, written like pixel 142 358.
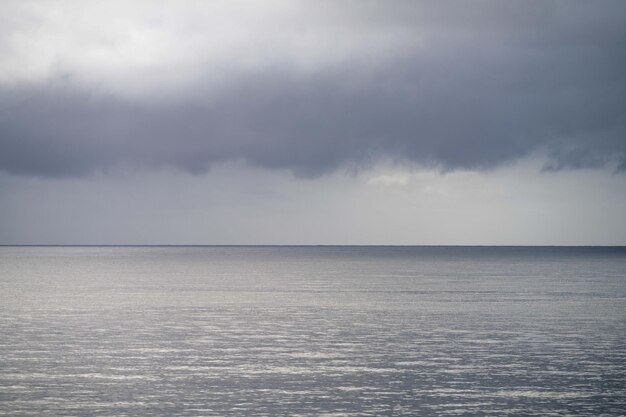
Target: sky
pixel 325 122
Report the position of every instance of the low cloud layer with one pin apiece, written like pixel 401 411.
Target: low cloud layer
pixel 310 87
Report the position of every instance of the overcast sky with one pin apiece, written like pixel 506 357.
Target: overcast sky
pixel 313 122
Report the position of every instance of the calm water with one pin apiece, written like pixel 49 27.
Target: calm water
pixel 194 331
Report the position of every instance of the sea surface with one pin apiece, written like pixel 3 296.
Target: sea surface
pixel 312 331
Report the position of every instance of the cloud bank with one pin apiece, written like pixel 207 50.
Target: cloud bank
pixel 310 86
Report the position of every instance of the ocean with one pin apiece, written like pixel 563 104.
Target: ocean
pixel 312 331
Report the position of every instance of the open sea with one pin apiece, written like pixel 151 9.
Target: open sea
pixel 312 331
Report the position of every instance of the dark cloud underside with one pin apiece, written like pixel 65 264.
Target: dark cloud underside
pixel 466 88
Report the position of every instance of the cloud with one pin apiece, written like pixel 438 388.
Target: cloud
pixel 310 87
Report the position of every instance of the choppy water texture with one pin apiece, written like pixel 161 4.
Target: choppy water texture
pixel 342 331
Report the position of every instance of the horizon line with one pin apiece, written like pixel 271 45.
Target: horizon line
pixel 319 245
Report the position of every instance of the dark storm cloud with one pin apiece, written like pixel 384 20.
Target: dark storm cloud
pixel 468 86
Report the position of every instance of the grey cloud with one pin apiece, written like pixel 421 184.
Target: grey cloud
pixel 486 84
